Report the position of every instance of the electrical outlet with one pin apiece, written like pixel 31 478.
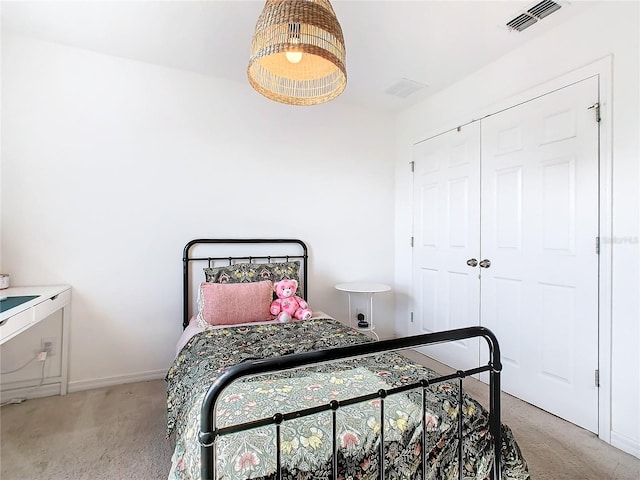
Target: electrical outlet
pixel 48 345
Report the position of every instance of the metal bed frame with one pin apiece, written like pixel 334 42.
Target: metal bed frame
pixel 297 248
pixel 209 432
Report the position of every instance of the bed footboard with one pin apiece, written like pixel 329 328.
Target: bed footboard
pixel 210 432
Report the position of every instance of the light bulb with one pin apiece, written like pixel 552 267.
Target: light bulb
pixel 293 56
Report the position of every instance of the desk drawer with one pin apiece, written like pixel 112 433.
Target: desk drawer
pixel 15 324
pixel 50 305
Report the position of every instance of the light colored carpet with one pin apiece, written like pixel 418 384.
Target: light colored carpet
pixel 113 433
pixel 118 433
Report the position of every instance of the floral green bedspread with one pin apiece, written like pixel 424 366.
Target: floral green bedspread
pixel 307 442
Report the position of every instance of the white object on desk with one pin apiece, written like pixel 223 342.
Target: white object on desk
pixel 49 299
pixel 368 288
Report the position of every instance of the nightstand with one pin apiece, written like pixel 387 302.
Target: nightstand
pixel 366 288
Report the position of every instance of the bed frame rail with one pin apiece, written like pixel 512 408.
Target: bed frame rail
pixel 209 432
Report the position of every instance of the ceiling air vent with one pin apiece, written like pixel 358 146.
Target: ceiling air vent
pixel 532 15
pixel 404 87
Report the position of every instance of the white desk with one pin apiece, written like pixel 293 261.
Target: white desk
pixel 50 299
pixel 367 288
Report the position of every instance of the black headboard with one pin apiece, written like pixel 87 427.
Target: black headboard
pixel 210 252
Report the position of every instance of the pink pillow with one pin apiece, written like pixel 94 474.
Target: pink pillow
pixel 233 303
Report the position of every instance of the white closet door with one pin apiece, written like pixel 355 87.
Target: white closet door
pixel 446 235
pixel 539 229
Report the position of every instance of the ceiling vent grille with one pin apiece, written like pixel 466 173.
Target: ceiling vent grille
pixel 404 87
pixel 532 15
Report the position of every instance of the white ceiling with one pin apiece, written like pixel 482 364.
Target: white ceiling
pixel 431 42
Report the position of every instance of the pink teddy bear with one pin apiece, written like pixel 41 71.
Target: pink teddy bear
pixel 288 305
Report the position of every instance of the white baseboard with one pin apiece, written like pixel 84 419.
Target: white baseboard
pixel 80 385
pixel 51 386
pixel 626 444
pixel 31 391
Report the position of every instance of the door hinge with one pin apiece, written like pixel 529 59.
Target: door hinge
pixel 411 316
pixel 596 107
pixel 411 242
pixel 412 165
pixel 597 245
pixel 597 378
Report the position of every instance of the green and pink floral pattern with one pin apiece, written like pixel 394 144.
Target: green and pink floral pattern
pixel 307 442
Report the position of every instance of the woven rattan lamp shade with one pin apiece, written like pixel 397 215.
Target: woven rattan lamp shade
pixel 286 29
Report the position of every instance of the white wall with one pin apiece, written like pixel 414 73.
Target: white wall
pixel 601 31
pixel 110 166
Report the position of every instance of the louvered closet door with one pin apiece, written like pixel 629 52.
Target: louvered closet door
pixel 539 229
pixel 446 235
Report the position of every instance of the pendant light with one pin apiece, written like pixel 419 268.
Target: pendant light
pixel 297 53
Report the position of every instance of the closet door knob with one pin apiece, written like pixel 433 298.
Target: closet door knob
pixel 472 262
pixel 485 263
